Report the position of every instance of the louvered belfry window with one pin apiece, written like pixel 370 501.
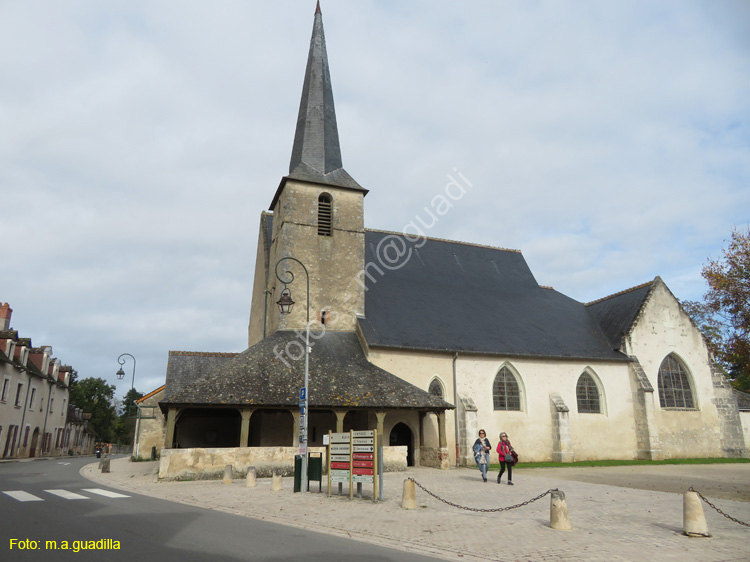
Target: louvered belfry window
pixel 325 215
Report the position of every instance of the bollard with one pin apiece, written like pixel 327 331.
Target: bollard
pixel 250 481
pixel 276 482
pixel 693 520
pixel 409 497
pixel 227 474
pixel 105 465
pixel 558 511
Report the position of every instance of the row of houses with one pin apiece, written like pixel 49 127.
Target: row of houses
pixel 36 418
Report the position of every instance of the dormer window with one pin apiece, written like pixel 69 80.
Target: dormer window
pixel 325 215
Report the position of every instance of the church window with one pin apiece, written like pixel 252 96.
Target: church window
pixel 587 395
pixel 505 392
pixel 325 215
pixel 436 389
pixel 674 385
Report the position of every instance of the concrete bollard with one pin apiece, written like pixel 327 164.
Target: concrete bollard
pixel 227 474
pixel 276 482
pixel 693 520
pixel 558 511
pixel 250 481
pixel 409 497
pixel 105 465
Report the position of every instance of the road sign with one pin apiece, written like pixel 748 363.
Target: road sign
pixel 303 393
pixel 337 479
pixel 339 458
pixel 362 448
pixel 363 464
pixel 362 441
pixel 340 473
pixel 340 438
pixel 340 465
pixel 340 449
pixel 362 456
pixel 369 433
pixel 363 478
pixel 363 471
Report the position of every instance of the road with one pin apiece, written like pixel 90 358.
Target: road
pixel 46 504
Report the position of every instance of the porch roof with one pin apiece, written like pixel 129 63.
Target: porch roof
pixel 271 373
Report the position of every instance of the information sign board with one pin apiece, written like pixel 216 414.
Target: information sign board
pixel 363 470
pixel 340 465
pixel 340 458
pixel 362 456
pixel 340 473
pixel 368 433
pixel 340 438
pixel 362 478
pixel 362 448
pixel 340 448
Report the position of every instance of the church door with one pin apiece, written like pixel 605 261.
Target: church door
pixel 401 435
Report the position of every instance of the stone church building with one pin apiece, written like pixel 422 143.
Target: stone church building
pixel 448 338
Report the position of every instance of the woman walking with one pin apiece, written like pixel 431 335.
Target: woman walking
pixel 482 450
pixel 504 449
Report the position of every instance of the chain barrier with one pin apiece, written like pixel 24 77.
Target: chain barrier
pixel 479 509
pixel 691 489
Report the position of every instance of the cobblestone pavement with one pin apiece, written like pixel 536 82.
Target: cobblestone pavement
pixel 610 523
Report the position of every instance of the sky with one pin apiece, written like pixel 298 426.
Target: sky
pixel 141 140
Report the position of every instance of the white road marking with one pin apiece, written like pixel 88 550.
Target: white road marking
pixel 22 496
pixel 105 493
pixel 67 495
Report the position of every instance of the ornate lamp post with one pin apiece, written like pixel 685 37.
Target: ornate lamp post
pixel 286 303
pixel 121 374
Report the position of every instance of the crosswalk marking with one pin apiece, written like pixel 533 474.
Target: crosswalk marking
pixel 22 496
pixel 67 495
pixel 105 493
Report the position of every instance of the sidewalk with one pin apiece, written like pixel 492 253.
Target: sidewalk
pixel 609 523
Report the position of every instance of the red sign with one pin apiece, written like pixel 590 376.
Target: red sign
pixel 362 456
pixel 340 465
pixel 363 464
pixel 370 471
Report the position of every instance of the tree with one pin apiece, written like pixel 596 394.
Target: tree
pixel 94 396
pixel 724 316
pixel 125 427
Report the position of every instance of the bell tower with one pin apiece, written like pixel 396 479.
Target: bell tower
pixel 318 213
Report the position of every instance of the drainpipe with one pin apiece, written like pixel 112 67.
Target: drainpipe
pixel 455 412
pixel 46 414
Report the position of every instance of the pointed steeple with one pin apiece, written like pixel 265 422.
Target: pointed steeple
pixel 316 153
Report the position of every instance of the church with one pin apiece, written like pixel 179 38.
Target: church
pixel 429 340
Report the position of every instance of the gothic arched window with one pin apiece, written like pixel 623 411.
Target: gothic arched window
pixel 506 394
pixel 325 215
pixel 436 389
pixel 674 385
pixel 587 395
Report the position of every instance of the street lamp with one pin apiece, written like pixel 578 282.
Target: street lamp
pixel 286 303
pixel 121 374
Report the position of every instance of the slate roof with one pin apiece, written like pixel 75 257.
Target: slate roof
pixel 451 296
pixel 186 367
pixel 339 376
pixel 316 152
pixel 743 400
pixel 617 312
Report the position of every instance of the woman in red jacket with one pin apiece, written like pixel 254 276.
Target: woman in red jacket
pixel 504 449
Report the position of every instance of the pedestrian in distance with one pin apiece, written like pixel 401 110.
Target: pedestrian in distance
pixel 482 450
pixel 504 451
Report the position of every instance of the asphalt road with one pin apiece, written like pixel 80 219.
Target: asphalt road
pixel 71 508
pixel 725 481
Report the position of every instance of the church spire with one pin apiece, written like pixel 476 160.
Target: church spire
pixel 316 153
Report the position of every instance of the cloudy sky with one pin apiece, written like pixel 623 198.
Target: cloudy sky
pixel 140 141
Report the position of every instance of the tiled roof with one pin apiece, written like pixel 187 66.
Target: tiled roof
pixel 339 377
pixel 186 367
pixel 616 313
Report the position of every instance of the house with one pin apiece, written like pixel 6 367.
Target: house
pixel 33 397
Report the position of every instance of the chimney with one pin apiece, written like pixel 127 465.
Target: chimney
pixel 5 313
